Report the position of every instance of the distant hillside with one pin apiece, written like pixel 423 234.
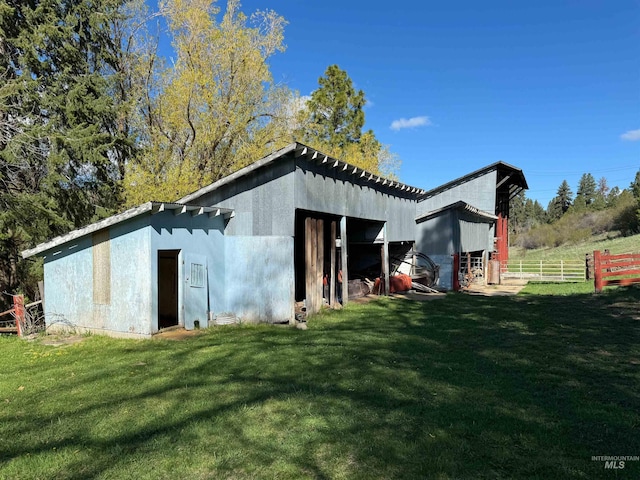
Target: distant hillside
pixel 577 251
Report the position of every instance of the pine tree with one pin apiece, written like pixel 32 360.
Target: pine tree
pixel 564 196
pixel 336 110
pixel 333 121
pixel 635 186
pixel 560 203
pixel 587 188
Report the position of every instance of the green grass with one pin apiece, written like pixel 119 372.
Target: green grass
pixel 577 252
pixel 463 387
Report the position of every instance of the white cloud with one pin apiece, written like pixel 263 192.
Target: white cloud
pixel 410 123
pixel 631 135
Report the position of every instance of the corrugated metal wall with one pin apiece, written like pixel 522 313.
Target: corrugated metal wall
pixel 479 192
pixel 339 193
pixel 263 201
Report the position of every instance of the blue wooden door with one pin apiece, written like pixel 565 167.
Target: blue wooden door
pixel 196 291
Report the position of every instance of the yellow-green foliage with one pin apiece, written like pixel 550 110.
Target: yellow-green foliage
pixel 217 108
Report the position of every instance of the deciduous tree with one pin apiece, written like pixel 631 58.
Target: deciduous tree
pixel 218 107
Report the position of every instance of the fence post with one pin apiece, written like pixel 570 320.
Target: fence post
pixel 540 269
pixel 597 271
pixel 520 269
pixel 18 305
pixel 562 270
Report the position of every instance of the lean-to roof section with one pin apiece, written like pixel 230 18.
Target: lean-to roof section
pixel 149 207
pixel 311 155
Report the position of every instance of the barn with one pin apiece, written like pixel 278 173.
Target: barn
pixel 250 247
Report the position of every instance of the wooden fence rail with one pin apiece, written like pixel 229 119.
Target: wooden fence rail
pixel 18 314
pixel 545 270
pixel 615 270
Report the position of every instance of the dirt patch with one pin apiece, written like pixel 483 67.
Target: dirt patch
pixel 419 296
pixel 59 341
pixel 177 333
pixel 505 289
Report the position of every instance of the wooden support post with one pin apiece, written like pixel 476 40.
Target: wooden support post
pixel 313 263
pixel 18 307
pixel 597 271
pixel 309 262
pixel 456 272
pixel 319 284
pixel 344 257
pixel 385 258
pixel 332 261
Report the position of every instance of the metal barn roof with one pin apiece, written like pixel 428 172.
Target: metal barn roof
pixel 313 156
pixel 149 207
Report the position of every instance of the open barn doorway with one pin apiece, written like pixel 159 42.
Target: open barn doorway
pixel 317 259
pixel 332 252
pixel 167 288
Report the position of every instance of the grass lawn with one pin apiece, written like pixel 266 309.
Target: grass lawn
pixel 462 387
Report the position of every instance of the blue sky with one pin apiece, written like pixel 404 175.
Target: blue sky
pixel 551 87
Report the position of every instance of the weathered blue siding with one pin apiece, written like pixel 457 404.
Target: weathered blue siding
pixel 260 278
pixel 133 249
pixel 453 231
pixel 198 235
pixel 68 277
pixel 132 284
pixel 265 201
pixel 475 234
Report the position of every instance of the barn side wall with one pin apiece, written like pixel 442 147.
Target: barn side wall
pixel 453 231
pixel 263 201
pixel 476 233
pixel 260 278
pixel 69 284
pixel 341 193
pixel 479 192
pixel 199 235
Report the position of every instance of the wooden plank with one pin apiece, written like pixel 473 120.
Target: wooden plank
pixel 597 271
pixel 621 256
pixel 385 258
pixel 308 272
pixel 344 257
pixel 620 273
pixel 620 265
pixel 319 263
pixel 622 282
pixel 18 306
pixel 332 266
pixel 312 307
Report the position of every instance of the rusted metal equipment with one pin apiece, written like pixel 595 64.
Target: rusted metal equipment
pixel 418 266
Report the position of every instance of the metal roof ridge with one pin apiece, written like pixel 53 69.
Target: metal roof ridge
pixel 461 204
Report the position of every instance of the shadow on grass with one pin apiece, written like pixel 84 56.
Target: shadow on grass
pixel 464 387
